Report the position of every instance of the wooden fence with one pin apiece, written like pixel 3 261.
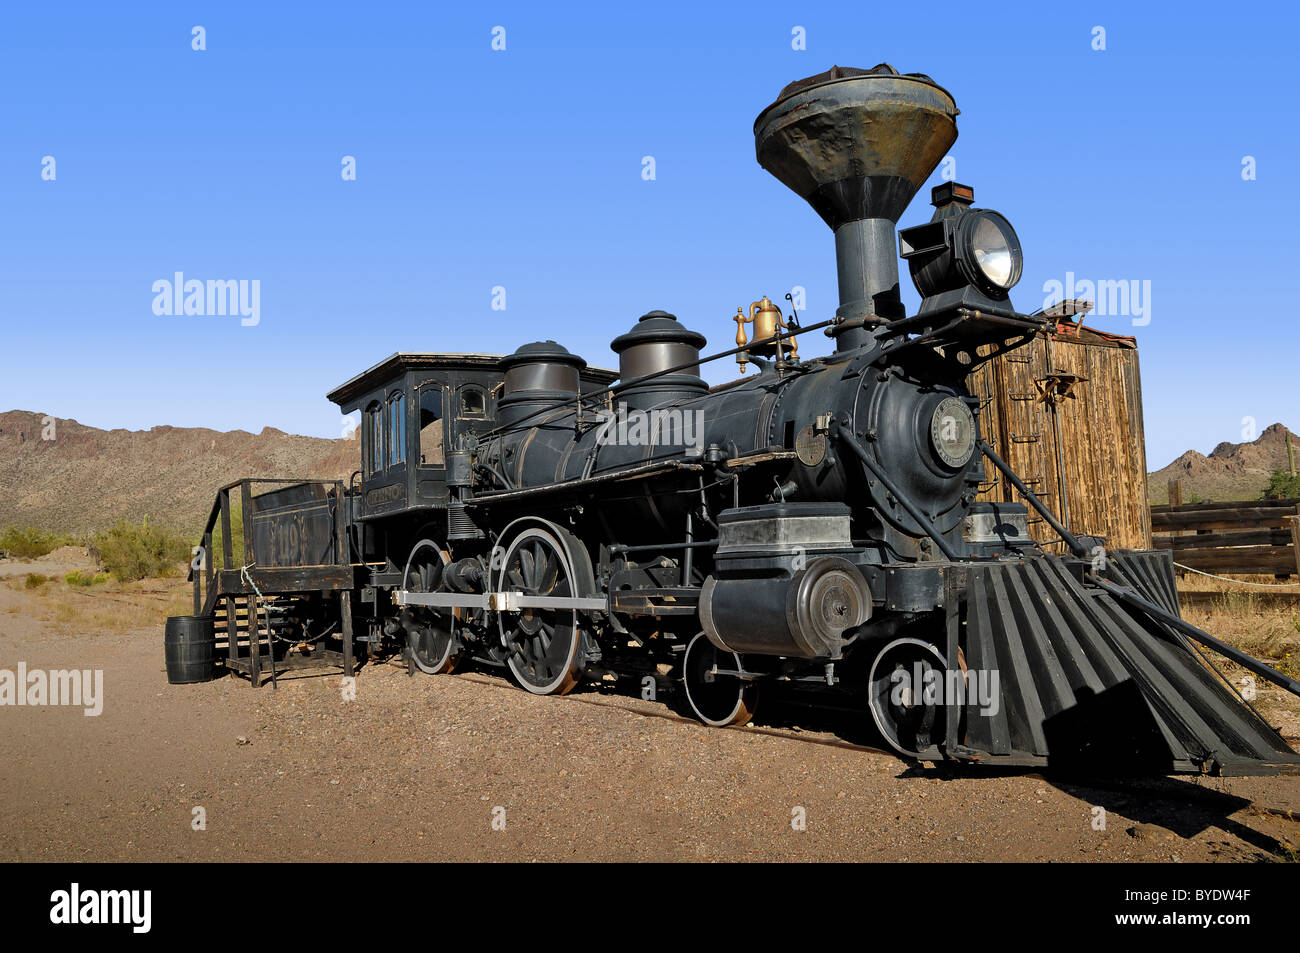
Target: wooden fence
pixel 1252 537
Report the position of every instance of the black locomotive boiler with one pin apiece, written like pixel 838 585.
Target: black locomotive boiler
pixel 813 524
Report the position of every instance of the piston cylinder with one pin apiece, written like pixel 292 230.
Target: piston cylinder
pixel 801 616
pixel 779 587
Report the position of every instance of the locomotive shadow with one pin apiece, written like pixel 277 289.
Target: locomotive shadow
pixel 1179 806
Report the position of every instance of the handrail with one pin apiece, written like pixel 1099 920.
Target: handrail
pixel 612 389
pixel 842 432
pixel 1124 594
pixel 204 603
pixel 1032 499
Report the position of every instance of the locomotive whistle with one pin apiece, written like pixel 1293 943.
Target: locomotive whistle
pixel 767 324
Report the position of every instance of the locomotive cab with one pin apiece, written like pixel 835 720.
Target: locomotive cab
pixel 414 408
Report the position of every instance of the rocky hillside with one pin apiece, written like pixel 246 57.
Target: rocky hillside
pixel 86 478
pixel 1232 471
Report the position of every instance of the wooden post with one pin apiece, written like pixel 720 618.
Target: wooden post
pixel 232 630
pixel 345 608
pixel 254 649
pixel 246 517
pixel 1295 539
pixel 227 544
pixel 1176 499
pixel 208 571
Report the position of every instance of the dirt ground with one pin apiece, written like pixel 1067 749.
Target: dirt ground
pixel 469 767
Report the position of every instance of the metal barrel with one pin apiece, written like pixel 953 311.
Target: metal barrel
pixel 190 649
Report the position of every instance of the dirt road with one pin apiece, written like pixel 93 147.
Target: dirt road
pixel 468 767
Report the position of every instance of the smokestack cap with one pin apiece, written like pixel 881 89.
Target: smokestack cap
pixel 856 144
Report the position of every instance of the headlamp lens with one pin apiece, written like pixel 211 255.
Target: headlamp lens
pixel 996 250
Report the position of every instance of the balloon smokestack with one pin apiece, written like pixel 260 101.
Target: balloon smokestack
pixel 857 145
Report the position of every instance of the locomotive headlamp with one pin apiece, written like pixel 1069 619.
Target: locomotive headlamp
pixel 993 249
pixel 963 257
pixel 952 432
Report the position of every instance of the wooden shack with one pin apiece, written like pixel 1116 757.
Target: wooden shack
pixel 1065 411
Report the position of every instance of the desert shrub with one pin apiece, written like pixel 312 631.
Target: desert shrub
pixel 1283 485
pixel 130 552
pixel 35 580
pixel 84 577
pixel 28 542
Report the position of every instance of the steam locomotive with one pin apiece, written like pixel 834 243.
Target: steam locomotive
pixel 813 526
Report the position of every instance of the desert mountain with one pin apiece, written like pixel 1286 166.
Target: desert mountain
pixel 1232 471
pixel 85 478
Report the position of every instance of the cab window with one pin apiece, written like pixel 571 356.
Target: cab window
pixel 373 436
pixel 396 428
pixel 432 453
pixel 473 402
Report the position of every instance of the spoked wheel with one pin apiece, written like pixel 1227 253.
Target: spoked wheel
pixel 543 643
pixel 717 698
pixel 909 720
pixel 430 633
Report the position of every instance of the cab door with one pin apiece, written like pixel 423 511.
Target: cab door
pixel 384 452
pixel 432 433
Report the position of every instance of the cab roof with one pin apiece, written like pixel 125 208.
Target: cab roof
pixel 403 361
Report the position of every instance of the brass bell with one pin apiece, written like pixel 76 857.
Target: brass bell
pixel 766 319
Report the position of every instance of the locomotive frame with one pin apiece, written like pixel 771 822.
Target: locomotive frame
pixel 815 524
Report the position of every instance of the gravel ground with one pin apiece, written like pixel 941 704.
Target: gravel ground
pixel 469 767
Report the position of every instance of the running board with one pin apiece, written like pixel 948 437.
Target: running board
pixel 1076 679
pixel 498 601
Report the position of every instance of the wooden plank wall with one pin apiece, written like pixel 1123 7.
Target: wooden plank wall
pixel 1102 440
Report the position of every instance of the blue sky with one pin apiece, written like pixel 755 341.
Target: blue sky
pixel 522 169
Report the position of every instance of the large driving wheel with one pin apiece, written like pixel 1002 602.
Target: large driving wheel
pixel 543 643
pixel 716 696
pixel 430 632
